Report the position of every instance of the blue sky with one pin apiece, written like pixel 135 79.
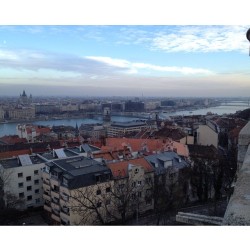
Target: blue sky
pixel 115 60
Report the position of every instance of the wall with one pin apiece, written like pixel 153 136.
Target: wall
pixel 206 136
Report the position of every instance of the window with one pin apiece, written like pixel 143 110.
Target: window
pixel 148 180
pixel 133 196
pixel 97 178
pixel 139 194
pixel 133 184
pixel 148 201
pixel 108 189
pixel 21 195
pixel 28 178
pixel 20 184
pixel 36 182
pixel 37 191
pixel 29 197
pixel 136 170
pixel 35 172
pixel 99 204
pixel 139 183
pixel 54 174
pixel 98 192
pixel 37 201
pixel 19 175
pixel 65 182
pixel 29 188
pixel 55 189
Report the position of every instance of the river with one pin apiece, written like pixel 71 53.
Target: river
pixel 10 128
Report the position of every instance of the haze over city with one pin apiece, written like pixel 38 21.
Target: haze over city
pixel 125 60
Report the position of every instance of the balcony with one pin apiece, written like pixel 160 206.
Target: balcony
pixel 65 211
pixel 55 194
pixel 64 197
pixel 46 196
pixel 47 208
pixel 46 186
pixel 55 217
pixel 55 208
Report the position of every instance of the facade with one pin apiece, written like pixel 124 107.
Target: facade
pixel 133 184
pixel 88 106
pixel 120 129
pixel 207 134
pixel 30 132
pixel 47 109
pixel 1 114
pixel 76 191
pixel 134 106
pixel 24 99
pixel 23 181
pixel 69 107
pixel 21 113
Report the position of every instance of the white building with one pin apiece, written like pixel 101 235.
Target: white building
pixel 22 178
pixel 208 134
pixel 119 129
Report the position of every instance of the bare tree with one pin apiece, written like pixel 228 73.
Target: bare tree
pixel 112 202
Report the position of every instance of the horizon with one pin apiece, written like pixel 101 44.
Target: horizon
pixel 118 60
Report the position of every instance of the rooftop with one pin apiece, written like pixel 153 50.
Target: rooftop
pixel 21 161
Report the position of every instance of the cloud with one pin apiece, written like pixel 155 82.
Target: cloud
pixel 131 67
pixel 202 39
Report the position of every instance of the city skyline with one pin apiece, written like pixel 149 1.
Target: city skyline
pixel 115 60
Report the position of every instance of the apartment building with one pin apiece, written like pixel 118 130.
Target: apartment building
pixel 119 129
pixel 133 186
pixel 22 181
pixel 208 134
pixel 76 191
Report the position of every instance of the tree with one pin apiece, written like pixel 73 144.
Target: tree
pixel 8 201
pixel 170 192
pixel 113 202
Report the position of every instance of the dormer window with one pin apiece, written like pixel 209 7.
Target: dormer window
pixel 65 182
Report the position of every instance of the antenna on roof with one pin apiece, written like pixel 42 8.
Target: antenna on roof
pixel 248 38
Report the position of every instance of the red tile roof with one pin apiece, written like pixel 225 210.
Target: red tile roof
pixel 12 139
pixel 120 169
pixel 148 145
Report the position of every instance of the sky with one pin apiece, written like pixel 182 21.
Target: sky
pixel 125 60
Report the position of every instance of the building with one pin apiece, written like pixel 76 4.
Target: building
pixel 146 146
pixel 24 99
pixel 92 131
pixel 133 185
pixel 168 167
pixel 22 177
pixel 69 107
pixel 47 109
pixel 1 114
pixel 134 106
pixel 207 134
pixel 30 132
pixel 76 191
pixel 21 113
pixel 119 129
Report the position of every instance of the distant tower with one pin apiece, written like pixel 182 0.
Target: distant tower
pixel 77 131
pixel 106 115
